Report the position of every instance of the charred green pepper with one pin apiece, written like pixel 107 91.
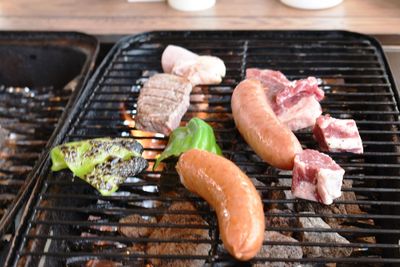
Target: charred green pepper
pixel 104 163
pixel 196 134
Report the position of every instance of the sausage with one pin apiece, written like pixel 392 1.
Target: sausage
pixel 233 196
pixel 259 126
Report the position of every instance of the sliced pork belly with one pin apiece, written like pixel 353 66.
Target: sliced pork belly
pixel 337 135
pixel 296 103
pixel 316 177
pixel 162 102
pixel 197 69
pixel 301 115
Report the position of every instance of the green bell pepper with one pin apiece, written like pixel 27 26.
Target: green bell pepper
pixel 104 163
pixel 196 134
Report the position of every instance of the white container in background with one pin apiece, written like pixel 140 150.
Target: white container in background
pixel 312 4
pixel 191 5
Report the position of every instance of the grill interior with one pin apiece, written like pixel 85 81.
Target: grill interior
pixel 67 223
pixel 38 74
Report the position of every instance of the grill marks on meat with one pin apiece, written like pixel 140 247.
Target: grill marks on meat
pixel 295 103
pixel 197 69
pixel 162 102
pixel 316 177
pixel 180 248
pixel 337 135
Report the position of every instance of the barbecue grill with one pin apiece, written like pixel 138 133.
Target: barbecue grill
pixel 40 75
pixel 67 223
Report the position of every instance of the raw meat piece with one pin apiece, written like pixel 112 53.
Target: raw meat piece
pixel 179 248
pixel 279 251
pixel 316 177
pixel 337 135
pixel 173 53
pixel 274 80
pixel 162 102
pixel 323 238
pixel 204 70
pixel 298 89
pixel 300 115
pixel 295 103
pixel 197 69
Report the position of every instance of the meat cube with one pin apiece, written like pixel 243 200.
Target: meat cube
pixel 298 89
pixel 162 102
pixel 316 177
pixel 179 248
pixel 322 237
pixel 279 251
pixel 197 69
pixel 295 103
pixel 301 115
pixel 337 135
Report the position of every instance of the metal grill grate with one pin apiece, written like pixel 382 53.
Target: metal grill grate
pixel 39 73
pixel 68 223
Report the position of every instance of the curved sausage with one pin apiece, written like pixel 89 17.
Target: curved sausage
pixel 233 196
pixel 259 126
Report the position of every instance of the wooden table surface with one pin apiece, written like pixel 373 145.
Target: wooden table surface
pixel 118 17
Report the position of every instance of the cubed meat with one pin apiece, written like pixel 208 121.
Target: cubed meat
pixel 337 135
pixel 300 115
pixel 197 69
pixel 316 177
pixel 162 102
pixel 296 103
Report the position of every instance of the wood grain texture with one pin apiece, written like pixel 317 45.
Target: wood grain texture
pixel 102 17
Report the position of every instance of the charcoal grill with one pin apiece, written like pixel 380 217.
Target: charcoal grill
pixel 67 223
pixel 40 75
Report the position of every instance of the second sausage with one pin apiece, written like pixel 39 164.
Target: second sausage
pixel 233 196
pixel 259 126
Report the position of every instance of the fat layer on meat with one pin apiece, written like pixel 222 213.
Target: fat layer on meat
pixel 162 102
pixel 179 248
pixel 316 177
pixel 300 115
pixel 279 251
pixel 322 237
pixel 296 103
pixel 337 135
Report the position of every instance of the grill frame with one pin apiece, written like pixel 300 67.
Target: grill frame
pixel 87 46
pixel 67 127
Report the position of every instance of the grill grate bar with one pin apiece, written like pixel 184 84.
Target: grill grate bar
pixel 357 84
